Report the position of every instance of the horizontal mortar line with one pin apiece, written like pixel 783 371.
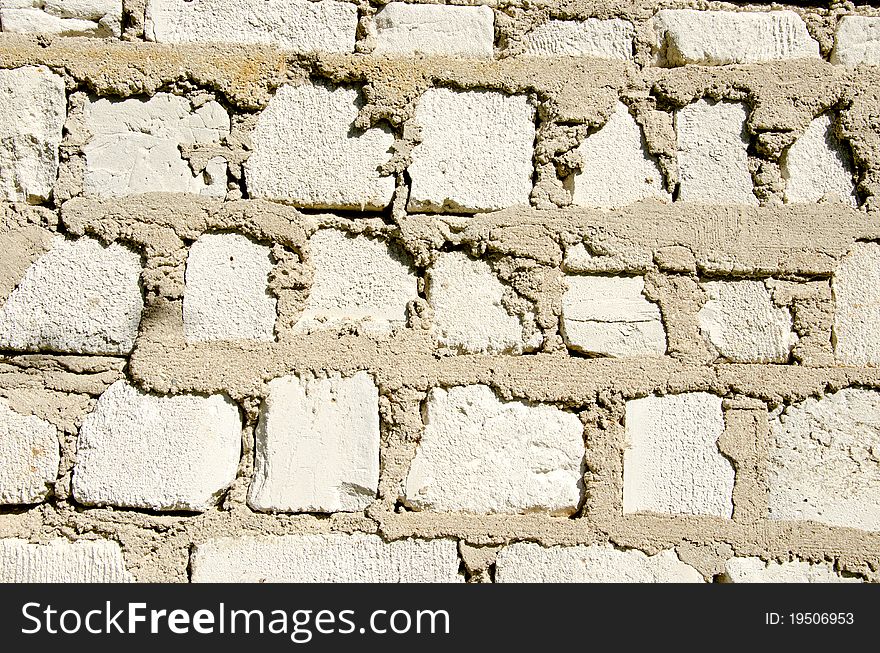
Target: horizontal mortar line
pixel 634 531
pixel 542 377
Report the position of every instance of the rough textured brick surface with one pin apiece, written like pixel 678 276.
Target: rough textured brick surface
pixel 298 25
pixel 857 306
pixel 672 463
pixel 401 28
pixel 475 153
pixel 29 457
pixel 162 453
pixel 325 559
pixel 317 445
pixel 688 36
pixel 611 316
pixel 358 281
pixel 616 169
pixel 712 159
pixel 818 166
pixel 602 39
pixel 481 454
pixel 95 18
pixel 824 462
pixel 135 146
pixel 755 570
pixel 78 297
pixel 742 323
pixel 469 313
pixel 526 562
pixel 307 152
pixel 60 561
pixel 857 41
pixel 226 294
pixel 33 106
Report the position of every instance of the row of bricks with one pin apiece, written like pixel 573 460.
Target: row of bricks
pixel 474 153
pixel 82 297
pixel 319 446
pixel 680 37
pixel 367 558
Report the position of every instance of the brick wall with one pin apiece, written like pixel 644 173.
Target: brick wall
pixel 341 291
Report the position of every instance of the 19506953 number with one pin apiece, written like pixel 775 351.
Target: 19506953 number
pixel 809 618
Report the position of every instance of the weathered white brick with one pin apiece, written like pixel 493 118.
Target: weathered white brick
pixel 476 151
pixel 33 106
pixel 481 454
pixel 60 561
pixel 358 280
pixel 857 41
pixel 334 558
pixel 226 294
pixel 98 18
pixel 818 166
pixel 713 162
pixel 672 463
pixel 755 570
pixel 469 316
pixel 79 297
pixel 138 450
pixel 825 460
pixel 299 25
pixel 134 147
pixel 307 152
pixel 527 562
pixel 601 39
pixel 856 288
pixel 714 38
pixel 742 323
pixel 401 28
pixel 611 316
pixel 29 457
pixel 317 445
pixel 617 170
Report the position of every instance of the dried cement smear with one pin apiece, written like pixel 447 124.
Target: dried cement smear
pixel 336 291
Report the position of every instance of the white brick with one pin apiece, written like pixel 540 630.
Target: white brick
pixel 617 170
pixel 298 25
pixel 469 316
pixel 600 39
pixel 475 154
pixel 755 570
pixel 713 163
pixel 79 297
pixel 857 41
pixel 226 294
pixel 527 562
pixel 481 454
pixel 60 561
pixel 358 281
pixel 307 152
pixel 611 316
pixel 33 106
pixel 741 321
pixel 672 463
pixel 317 445
pixel 825 460
pixel 134 146
pixel 325 559
pixel 714 38
pixel 401 28
pixel 818 166
pixel 97 18
pixel 138 450
pixel 856 288
pixel 29 457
